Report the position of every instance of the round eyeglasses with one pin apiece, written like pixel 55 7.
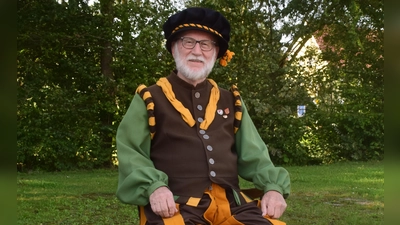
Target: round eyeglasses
pixel 190 43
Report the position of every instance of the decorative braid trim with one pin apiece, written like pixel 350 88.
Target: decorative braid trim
pixel 148 100
pixel 198 26
pixel 238 108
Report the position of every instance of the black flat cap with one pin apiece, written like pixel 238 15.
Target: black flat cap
pixel 197 18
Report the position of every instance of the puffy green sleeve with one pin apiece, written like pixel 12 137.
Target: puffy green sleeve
pixel 138 177
pixel 254 162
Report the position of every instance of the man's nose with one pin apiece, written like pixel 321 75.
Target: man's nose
pixel 196 49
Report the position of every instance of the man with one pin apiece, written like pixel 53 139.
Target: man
pixel 184 141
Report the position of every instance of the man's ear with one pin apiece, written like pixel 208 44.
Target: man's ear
pixel 216 52
pixel 173 48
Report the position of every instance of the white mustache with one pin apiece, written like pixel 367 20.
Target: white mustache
pixel 196 59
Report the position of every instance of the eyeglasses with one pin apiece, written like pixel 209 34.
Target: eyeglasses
pixel 205 45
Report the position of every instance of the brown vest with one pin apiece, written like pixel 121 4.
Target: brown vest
pixel 191 157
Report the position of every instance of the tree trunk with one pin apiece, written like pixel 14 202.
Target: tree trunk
pixel 106 114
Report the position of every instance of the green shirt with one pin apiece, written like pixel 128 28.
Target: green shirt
pixel 138 177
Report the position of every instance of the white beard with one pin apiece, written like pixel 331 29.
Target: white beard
pixel 187 72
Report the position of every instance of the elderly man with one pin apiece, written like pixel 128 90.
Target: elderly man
pixel 184 141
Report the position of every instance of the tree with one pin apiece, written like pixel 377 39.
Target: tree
pixel 266 68
pixel 354 49
pixel 79 65
pixel 56 83
pixel 76 77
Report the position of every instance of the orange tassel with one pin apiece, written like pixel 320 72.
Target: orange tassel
pixel 226 58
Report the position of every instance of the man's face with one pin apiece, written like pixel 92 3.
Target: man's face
pixel 194 64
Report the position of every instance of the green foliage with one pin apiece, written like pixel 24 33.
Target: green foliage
pixel 79 65
pixel 59 87
pixel 355 103
pixel 68 104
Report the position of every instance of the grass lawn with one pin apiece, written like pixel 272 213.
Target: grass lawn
pixel 339 194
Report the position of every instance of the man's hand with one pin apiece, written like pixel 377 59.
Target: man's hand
pixel 273 204
pixel 162 202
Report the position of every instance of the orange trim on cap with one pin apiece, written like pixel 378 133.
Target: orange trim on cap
pixel 196 25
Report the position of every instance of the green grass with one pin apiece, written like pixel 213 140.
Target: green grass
pixel 343 193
